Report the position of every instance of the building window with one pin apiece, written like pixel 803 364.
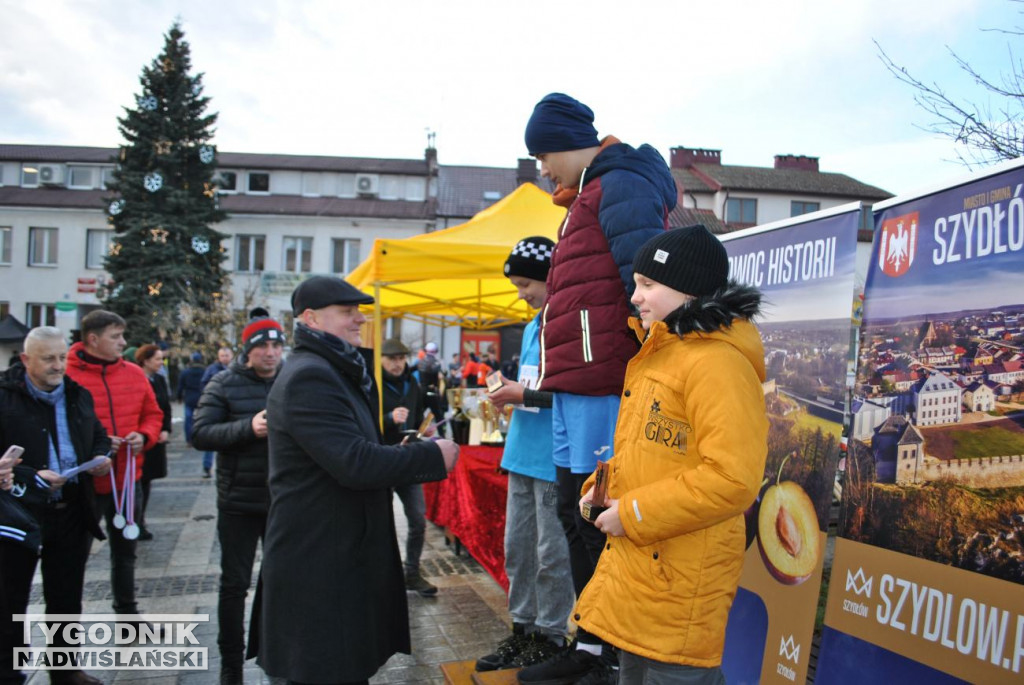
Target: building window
pixel 29 175
pixel 344 255
pixel 391 187
pixel 80 177
pixel 5 244
pixel 298 255
pixel 42 247
pixel 227 181
pixel 259 181
pixel 311 184
pixel 797 207
pixel 346 185
pixel 250 250
pixel 741 210
pixel 415 189
pixel 97 245
pixel 40 315
pixel 106 176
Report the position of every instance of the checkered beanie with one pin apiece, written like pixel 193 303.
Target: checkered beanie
pixel 530 258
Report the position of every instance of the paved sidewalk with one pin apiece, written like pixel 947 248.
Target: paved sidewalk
pixel 177 572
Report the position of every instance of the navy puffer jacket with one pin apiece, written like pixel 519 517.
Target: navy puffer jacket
pixel 625 197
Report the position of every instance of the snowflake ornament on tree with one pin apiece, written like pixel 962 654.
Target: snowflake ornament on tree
pixel 206 154
pixel 153 181
pixel 116 207
pixel 200 245
pixel 147 103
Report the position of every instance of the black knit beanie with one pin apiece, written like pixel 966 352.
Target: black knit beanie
pixel 689 260
pixel 530 258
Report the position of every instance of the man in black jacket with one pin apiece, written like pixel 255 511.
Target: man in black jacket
pixel 52 418
pixel 334 606
pixel 231 418
pixel 403 410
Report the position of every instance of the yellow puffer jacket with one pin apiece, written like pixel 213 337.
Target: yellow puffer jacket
pixel 690 447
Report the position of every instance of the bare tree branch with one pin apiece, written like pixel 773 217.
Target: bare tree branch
pixel 988 125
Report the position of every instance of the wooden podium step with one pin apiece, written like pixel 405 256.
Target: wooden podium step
pixel 464 673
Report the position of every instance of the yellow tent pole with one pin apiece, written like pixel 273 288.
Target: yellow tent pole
pixel 377 342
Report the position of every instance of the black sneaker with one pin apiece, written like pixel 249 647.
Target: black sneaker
pixel 565 668
pixel 539 648
pixel 602 674
pixel 415 582
pixel 505 653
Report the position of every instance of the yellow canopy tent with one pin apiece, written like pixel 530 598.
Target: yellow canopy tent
pixel 457 272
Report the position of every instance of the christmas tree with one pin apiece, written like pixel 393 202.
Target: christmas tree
pixel 165 258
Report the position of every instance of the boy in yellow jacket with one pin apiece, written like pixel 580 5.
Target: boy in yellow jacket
pixel 690 447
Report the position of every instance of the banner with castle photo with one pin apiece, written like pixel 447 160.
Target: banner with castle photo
pixel 926 581
pixel 805 269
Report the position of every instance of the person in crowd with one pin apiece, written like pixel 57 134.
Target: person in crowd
pixel 403 410
pixel 53 419
pixel 154 466
pixel 224 357
pixel 128 410
pixel 429 374
pixel 510 367
pixel 454 371
pixel 471 371
pixel 231 418
pixel 618 198
pixel 190 387
pixel 674 505
pixel 333 603
pixel 540 593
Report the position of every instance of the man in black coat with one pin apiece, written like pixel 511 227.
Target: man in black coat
pixel 53 419
pixel 334 607
pixel 231 418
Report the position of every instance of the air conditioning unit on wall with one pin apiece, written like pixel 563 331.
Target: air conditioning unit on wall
pixel 367 184
pixel 51 174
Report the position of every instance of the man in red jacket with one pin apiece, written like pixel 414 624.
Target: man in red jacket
pixel 127 408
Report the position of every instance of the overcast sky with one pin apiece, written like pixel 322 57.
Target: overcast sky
pixel 368 78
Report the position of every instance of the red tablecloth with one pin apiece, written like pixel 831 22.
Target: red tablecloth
pixel 471 504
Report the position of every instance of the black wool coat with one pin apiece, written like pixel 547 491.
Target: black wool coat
pixel 333 593
pixel 155 464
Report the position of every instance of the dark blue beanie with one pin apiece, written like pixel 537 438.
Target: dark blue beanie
pixel 560 123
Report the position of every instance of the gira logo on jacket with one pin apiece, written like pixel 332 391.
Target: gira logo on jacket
pixel 666 431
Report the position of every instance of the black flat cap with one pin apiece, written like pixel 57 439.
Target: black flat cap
pixel 317 292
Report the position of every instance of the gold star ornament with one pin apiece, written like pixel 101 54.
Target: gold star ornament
pixel 115 249
pixel 159 234
pixel 154 288
pixel 162 147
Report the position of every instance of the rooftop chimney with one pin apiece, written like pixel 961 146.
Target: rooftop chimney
pixel 683 157
pixel 526 171
pixel 798 162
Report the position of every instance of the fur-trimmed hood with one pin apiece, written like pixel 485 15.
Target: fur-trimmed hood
pixel 724 315
pixel 716 311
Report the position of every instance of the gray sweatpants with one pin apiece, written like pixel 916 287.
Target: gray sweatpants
pixel 540 594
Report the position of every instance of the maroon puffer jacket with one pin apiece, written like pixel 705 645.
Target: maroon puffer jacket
pixel 624 201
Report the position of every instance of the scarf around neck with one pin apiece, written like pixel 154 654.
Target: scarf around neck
pixel 346 351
